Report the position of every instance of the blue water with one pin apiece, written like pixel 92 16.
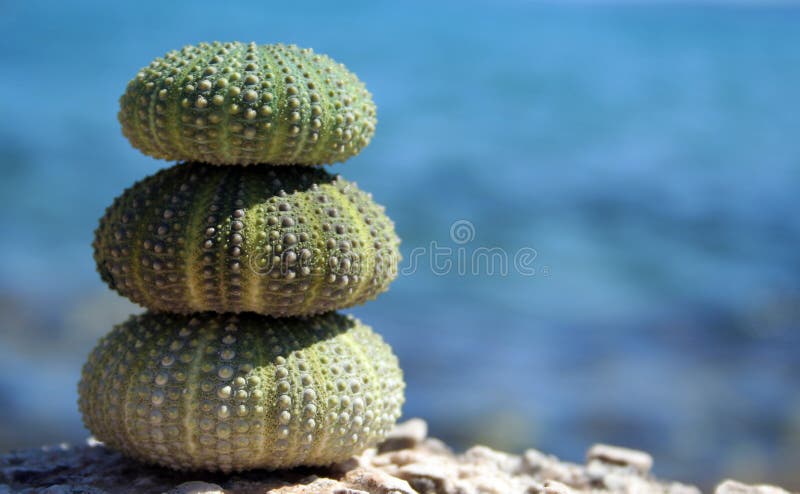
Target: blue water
pixel 649 155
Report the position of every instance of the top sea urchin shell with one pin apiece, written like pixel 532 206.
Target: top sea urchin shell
pixel 235 103
pixel 276 240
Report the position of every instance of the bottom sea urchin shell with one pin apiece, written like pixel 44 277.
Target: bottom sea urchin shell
pixel 234 392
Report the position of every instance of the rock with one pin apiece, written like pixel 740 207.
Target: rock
pixel 539 465
pixel 734 487
pixel 556 487
pixel 434 477
pixel 615 455
pixel 405 435
pixel 678 488
pixel 486 456
pixel 317 486
pixel 411 464
pixel 197 487
pixel 377 481
pixel 437 446
pixel 617 482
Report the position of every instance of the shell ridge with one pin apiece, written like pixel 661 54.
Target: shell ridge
pixel 202 194
pixel 176 127
pixel 363 277
pixel 266 145
pixel 301 139
pixel 319 144
pixel 188 395
pixel 143 296
pixel 315 285
pixel 228 200
pixel 127 427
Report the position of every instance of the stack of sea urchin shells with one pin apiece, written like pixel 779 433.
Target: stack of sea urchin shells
pixel 241 254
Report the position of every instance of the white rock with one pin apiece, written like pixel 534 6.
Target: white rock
pixel 556 487
pixel 407 434
pixel 437 474
pixel 502 461
pixel 734 487
pixel 376 481
pixel 616 455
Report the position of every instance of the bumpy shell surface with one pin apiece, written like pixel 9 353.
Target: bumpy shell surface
pixel 275 240
pixel 235 103
pixel 234 392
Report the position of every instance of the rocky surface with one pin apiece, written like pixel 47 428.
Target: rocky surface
pixel 408 462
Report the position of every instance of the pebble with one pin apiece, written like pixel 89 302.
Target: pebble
pixel 615 455
pixel 406 435
pixel 373 480
pixel 197 487
pixel 734 487
pixel 556 487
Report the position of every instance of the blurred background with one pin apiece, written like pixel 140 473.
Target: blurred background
pixel 644 156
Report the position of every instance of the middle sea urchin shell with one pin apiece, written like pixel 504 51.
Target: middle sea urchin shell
pixel 279 241
pixel 234 392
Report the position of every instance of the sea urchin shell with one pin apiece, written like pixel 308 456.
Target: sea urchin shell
pixel 235 103
pixel 226 392
pixel 276 240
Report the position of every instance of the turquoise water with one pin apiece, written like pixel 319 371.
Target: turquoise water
pixel 648 155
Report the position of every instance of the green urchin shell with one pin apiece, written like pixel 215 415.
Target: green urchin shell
pixel 276 240
pixel 227 392
pixel 236 103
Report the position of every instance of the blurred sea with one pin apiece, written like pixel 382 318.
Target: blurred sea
pixel 648 153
